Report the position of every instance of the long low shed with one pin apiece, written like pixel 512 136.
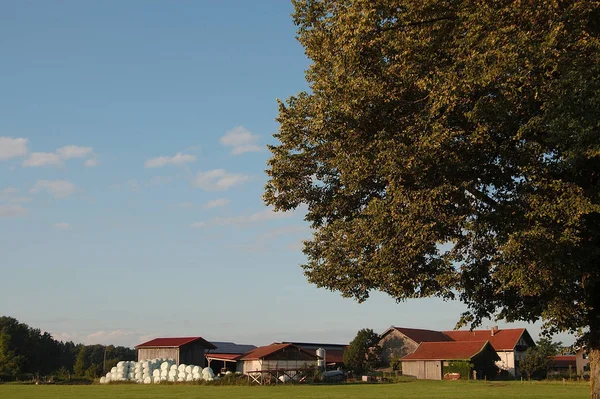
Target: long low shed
pixel 432 360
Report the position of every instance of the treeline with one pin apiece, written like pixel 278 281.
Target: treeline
pixel 27 353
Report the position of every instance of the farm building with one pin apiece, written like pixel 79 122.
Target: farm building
pixel 432 360
pixel 582 361
pixel 225 356
pixel 334 353
pixel 510 344
pixel 187 350
pixel 562 364
pixel 397 342
pixel 276 357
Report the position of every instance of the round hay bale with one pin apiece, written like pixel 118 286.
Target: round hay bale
pixel 148 380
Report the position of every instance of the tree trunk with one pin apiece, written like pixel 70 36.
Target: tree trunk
pixel 594 356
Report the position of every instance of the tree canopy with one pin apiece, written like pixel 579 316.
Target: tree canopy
pixel 363 353
pixel 450 149
pixel 27 352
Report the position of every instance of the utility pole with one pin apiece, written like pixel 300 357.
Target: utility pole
pixel 104 362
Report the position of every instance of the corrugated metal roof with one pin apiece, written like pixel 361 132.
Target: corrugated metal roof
pixel 505 339
pixel 448 350
pixel 175 342
pixel 230 347
pixel 265 351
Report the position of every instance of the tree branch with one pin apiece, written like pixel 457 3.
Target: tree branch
pixel 483 197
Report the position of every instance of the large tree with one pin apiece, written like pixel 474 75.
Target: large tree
pixel 451 149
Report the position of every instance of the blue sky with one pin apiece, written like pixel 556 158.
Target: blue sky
pixel 132 153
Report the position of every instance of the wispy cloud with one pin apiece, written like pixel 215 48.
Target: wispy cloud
pixel 216 203
pixel 12 147
pixel 218 180
pixel 11 195
pixel 12 211
pixel 177 159
pixel 56 188
pixel 90 163
pixel 256 217
pixel 74 151
pixel 58 158
pixel 37 159
pixel 62 226
pixel 240 140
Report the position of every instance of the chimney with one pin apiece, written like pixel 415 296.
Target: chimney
pixel 494 330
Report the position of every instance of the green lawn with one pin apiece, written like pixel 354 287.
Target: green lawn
pixel 417 389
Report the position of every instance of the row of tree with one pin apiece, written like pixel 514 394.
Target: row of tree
pixel 29 352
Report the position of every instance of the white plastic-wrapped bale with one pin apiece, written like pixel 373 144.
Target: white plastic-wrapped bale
pixel 188 369
pixel 156 373
pixel 102 380
pixel 113 370
pixel 165 366
pixel 181 367
pixel 173 373
pixel 148 380
pixel 189 377
pixel 196 369
pixel 173 367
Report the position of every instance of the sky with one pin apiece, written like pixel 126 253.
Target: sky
pixel 133 142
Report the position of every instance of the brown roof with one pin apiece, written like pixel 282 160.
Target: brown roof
pixel 565 361
pixel 334 356
pixel 174 342
pixel 448 350
pixel 264 351
pixel 505 339
pixel 418 335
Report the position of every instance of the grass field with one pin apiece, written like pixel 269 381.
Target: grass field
pixel 417 389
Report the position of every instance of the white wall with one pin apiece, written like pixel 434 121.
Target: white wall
pixel 507 361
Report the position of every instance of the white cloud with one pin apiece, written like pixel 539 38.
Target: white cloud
pixel 62 154
pixel 260 216
pixel 218 180
pixel 62 226
pixel 56 188
pixel 12 211
pixel 240 140
pixel 10 194
pixel 37 159
pixel 11 147
pixel 256 217
pixel 90 163
pixel 74 151
pixel 177 159
pixel 10 190
pixel 216 203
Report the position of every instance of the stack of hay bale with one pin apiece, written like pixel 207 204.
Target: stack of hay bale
pixel 157 370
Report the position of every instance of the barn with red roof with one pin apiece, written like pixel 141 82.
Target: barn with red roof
pixel 186 350
pixel 510 344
